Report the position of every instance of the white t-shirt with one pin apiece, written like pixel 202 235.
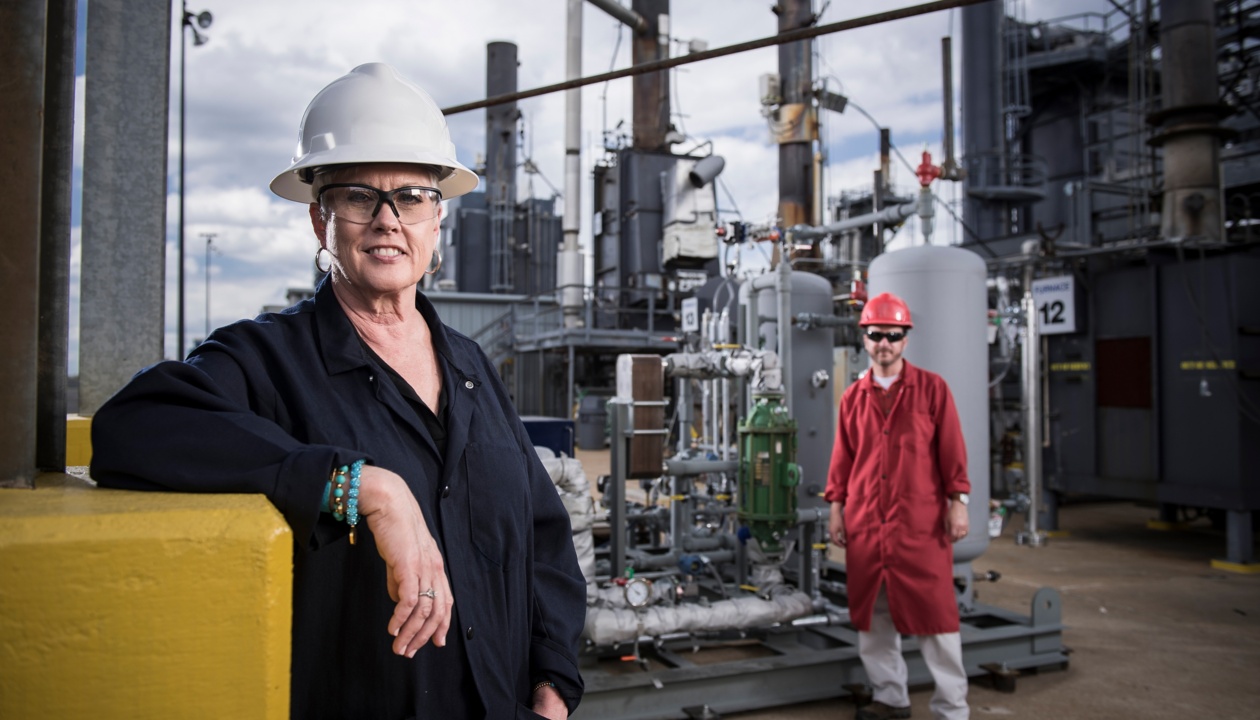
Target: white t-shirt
pixel 886 382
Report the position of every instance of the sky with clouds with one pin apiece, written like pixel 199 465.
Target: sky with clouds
pixel 248 86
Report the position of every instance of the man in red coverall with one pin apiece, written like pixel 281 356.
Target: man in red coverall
pixel 898 492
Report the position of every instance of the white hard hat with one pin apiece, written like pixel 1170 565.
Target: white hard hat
pixel 369 115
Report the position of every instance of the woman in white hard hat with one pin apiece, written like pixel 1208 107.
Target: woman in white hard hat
pixel 434 572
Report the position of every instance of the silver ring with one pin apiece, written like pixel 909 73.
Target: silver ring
pixel 430 593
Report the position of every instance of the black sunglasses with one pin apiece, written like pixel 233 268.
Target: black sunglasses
pixel 875 336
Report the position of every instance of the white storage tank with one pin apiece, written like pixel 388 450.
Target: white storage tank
pixel 945 289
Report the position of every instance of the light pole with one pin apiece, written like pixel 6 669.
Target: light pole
pixel 203 19
pixel 209 246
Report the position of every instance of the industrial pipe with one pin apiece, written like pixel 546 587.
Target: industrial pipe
pixel 691 467
pixel 627 16
pixel 1032 413
pixel 809 321
pixel 889 215
pixel 949 167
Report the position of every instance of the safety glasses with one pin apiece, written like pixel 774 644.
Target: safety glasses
pixel 359 204
pixel 893 337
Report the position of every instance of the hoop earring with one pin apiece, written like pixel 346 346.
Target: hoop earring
pixel 319 254
pixel 437 253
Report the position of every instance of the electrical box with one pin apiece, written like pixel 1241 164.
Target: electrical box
pixel 771 93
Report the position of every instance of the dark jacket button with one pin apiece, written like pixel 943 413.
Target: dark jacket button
pixel 446 491
pixel 469 634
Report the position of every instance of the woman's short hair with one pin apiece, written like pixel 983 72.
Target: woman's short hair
pixel 330 174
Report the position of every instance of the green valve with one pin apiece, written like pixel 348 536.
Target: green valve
pixel 768 473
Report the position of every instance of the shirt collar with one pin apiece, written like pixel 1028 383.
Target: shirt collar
pixel 909 375
pixel 339 342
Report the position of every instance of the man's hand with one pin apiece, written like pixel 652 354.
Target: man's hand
pixel 836 525
pixel 956 521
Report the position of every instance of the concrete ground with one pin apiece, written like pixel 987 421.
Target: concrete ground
pixel 1155 632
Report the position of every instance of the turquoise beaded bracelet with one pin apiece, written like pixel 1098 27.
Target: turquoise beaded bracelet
pixel 343 501
pixel 352 500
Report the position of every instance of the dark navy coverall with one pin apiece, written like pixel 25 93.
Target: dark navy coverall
pixel 271 406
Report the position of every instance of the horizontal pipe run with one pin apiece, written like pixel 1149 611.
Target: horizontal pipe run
pixel 890 214
pixel 628 17
pixel 687 468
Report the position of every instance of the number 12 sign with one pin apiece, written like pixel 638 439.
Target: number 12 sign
pixel 1056 306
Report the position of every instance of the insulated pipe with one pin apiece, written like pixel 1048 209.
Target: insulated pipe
pixel 890 214
pixel 627 16
pixel 570 270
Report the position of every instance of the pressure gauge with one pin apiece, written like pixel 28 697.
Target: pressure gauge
pixel 638 592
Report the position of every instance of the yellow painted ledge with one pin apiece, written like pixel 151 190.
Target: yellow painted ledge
pixel 121 604
pixel 1235 567
pixel 78 440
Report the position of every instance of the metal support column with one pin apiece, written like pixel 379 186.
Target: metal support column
pixel 1239 540
pixel 620 415
pixel 124 195
pixel 22 55
pixel 54 241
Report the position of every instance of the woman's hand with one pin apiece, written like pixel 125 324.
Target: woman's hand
pixel 412 559
pixel 549 704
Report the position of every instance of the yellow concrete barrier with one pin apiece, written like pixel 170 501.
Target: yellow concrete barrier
pixel 78 440
pixel 121 604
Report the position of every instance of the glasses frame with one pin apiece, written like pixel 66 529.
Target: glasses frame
pixel 876 336
pixel 383 197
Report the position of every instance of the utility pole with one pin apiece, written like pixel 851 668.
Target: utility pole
pixel 209 236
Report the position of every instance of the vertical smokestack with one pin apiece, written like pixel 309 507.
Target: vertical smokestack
pixel 1188 123
pixel 796 116
pixel 569 270
pixel 651 90
pixel 981 108
pixel 500 163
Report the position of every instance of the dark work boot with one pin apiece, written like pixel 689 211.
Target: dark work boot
pixel 879 711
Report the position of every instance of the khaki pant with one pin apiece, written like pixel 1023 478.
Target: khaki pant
pixel 880 650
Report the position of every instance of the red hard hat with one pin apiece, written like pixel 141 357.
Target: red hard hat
pixel 886 309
